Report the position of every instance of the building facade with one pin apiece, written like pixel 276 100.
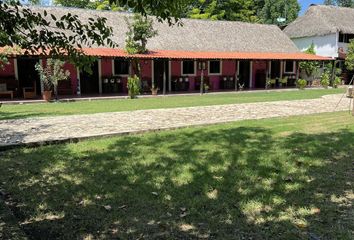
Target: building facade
pixel 228 55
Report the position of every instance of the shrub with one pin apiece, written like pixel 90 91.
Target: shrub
pixel 301 83
pixel 337 81
pixel 325 80
pixel 133 86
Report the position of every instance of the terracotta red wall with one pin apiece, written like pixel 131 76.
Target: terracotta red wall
pixel 106 67
pixel 73 75
pixel 8 70
pixel 228 69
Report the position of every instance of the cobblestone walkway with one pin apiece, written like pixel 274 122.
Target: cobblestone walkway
pixel 63 128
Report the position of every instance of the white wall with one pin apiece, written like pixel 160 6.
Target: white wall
pixel 326 46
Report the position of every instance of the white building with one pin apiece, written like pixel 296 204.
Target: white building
pixel 329 28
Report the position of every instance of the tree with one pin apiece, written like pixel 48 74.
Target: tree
pixel 329 2
pixel 51 74
pixel 274 9
pixel 340 3
pixel 46 34
pixel 349 60
pixel 310 67
pixel 232 10
pixel 140 29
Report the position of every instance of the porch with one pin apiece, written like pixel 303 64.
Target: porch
pixel 172 72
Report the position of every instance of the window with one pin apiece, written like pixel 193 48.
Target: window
pixel 349 37
pixel 121 66
pixel 341 37
pixel 214 67
pixel 188 67
pixel 289 66
pixel 345 38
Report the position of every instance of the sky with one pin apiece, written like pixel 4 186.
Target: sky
pixel 306 3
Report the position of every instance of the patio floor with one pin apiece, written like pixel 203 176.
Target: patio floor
pixel 46 130
pixel 92 97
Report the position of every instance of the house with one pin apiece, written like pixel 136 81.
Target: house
pixel 329 28
pixel 227 54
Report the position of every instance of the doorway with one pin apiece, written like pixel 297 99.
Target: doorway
pixel 160 67
pixel 89 82
pixel 27 74
pixel 244 73
pixel 275 70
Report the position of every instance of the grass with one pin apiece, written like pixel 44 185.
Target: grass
pixel 281 178
pixel 85 107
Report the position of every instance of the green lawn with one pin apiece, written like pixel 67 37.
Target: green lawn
pixel 51 109
pixel 282 178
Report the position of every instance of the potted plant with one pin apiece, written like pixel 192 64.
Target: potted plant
pixel 206 88
pixel 154 89
pixel 50 75
pixel 325 80
pixel 301 84
pixel 241 86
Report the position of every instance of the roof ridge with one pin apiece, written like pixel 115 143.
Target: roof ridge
pixel 325 20
pixel 131 13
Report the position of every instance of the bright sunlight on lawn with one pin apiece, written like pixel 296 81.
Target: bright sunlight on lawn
pixel 268 179
pixel 51 109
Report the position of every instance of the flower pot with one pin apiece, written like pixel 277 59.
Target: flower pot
pixel 47 95
pixel 154 91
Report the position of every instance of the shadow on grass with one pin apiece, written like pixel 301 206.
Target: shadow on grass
pixel 219 183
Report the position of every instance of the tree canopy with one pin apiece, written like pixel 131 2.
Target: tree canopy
pixel 340 3
pixel 349 60
pixel 264 11
pixel 46 34
pixel 274 9
pixel 234 10
pixel 310 67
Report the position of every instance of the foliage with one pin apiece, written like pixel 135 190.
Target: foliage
pixel 52 73
pixel 4 55
pixel 232 10
pixel 268 83
pixel 337 81
pixel 273 9
pixel 340 3
pixel 349 60
pixel 310 67
pixel 325 79
pixel 46 34
pixel 133 86
pixel 169 10
pixel 87 107
pixel 301 83
pixel 98 4
pixel 139 31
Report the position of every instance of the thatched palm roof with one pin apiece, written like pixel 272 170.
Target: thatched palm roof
pixel 195 35
pixel 322 20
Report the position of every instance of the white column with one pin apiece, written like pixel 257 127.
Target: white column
pixel 251 75
pixel 16 68
pixel 270 69
pixel 41 83
pixel 237 65
pixel 281 70
pixel 100 76
pixel 169 76
pixel 152 73
pixel 78 89
pixel 164 78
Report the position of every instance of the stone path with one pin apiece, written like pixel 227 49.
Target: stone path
pixel 43 130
